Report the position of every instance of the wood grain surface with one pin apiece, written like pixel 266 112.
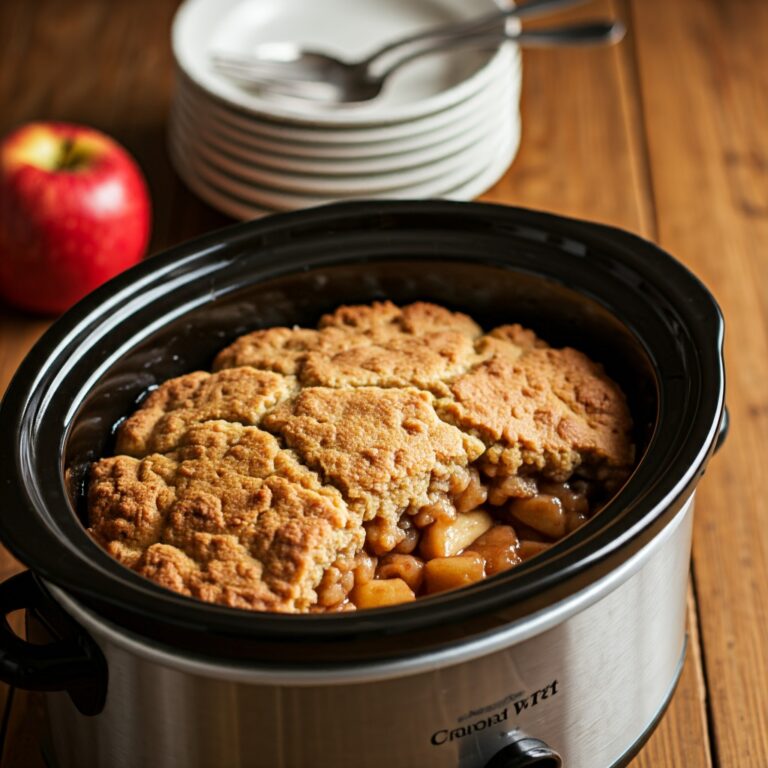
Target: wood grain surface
pixel 665 135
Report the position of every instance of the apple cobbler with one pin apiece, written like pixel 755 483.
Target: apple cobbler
pixel 388 454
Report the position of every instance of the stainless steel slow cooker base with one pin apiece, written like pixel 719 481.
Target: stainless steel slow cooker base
pixel 577 648
pixel 586 686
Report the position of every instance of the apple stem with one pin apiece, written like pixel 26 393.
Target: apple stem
pixel 68 158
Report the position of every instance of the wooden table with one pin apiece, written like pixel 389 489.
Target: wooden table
pixel 665 135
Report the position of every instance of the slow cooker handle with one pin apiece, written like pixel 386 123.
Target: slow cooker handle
pixel 73 663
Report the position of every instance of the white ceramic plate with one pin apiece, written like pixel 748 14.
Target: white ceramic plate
pixel 241 209
pixel 221 201
pixel 266 196
pixel 336 167
pixel 507 64
pixel 336 151
pixel 195 129
pixel 347 28
pixel 492 172
pixel 190 142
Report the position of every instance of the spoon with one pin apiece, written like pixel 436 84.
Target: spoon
pixel 320 77
pixel 283 61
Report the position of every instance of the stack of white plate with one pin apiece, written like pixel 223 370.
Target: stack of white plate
pixel 447 125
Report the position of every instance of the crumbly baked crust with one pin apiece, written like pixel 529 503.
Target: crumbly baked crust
pixel 386 450
pixel 256 485
pixel 241 395
pixel 228 517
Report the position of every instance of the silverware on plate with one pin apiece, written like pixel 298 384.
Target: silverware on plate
pixel 291 70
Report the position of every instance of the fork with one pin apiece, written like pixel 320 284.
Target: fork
pixel 319 77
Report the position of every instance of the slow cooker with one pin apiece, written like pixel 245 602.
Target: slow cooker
pixel 566 660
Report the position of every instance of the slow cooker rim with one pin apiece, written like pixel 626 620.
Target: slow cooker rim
pixel 314 672
pixel 187 254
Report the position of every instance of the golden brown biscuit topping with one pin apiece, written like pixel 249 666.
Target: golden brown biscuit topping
pixel 282 350
pixel 386 450
pixel 400 360
pixel 550 410
pixel 229 501
pixel 383 318
pixel 241 395
pixel 392 452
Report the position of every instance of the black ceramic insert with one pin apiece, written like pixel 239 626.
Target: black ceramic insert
pixel 620 299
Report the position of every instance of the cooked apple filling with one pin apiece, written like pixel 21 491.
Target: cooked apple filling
pixel 388 454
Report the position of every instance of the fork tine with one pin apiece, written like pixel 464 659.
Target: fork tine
pixel 259 67
pixel 303 89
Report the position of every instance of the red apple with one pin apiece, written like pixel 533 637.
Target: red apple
pixel 74 212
